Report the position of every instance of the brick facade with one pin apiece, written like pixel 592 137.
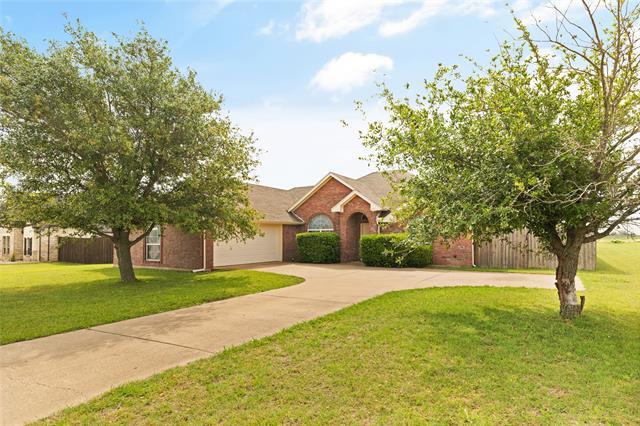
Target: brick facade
pixel 350 228
pixel 178 250
pixel 321 202
pixel 289 243
pixel 184 251
pixel 455 253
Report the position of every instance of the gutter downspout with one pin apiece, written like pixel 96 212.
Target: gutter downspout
pixel 473 253
pixel 204 254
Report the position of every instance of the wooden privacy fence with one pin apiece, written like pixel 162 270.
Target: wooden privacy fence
pixel 520 249
pixel 85 250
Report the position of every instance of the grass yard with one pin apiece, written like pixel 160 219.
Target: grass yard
pixel 41 299
pixel 448 355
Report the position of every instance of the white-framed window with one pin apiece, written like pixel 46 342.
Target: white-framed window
pixel 320 223
pixel 152 245
pixel 28 246
pixel 6 244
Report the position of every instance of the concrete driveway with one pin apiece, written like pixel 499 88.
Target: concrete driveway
pixel 41 376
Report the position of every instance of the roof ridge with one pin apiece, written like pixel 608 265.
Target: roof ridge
pixel 377 172
pixel 341 175
pixel 267 186
pixel 297 188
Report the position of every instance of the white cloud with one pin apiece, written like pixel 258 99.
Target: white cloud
pixel 267 29
pixel 432 8
pixel 350 70
pixel 336 18
pixel 546 12
pixel 481 8
pixel 428 9
pixel 321 20
pixel 520 5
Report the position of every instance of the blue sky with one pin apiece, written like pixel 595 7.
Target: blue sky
pixel 290 71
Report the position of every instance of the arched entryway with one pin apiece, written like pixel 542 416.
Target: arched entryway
pixel 357 225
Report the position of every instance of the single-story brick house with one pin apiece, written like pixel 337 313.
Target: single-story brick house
pixel 349 207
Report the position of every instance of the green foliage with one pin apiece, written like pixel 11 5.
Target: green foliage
pixel 525 141
pixel 419 257
pixel 318 247
pixel 380 249
pixel 393 250
pixel 101 136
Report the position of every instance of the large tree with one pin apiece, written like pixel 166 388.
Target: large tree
pixel 112 139
pixel 537 140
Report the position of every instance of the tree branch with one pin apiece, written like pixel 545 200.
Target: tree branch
pixel 147 232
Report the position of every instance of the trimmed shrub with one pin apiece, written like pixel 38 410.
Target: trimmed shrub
pixel 391 251
pixel 318 247
pixel 419 257
pixel 380 249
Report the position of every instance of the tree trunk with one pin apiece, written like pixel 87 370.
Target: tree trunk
pixel 123 249
pixel 566 284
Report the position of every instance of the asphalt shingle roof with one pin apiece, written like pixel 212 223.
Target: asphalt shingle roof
pixel 274 203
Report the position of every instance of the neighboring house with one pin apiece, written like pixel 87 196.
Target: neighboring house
pixel 11 240
pixel 31 244
pixel 349 207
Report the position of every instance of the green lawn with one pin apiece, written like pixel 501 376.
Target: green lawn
pixel 40 299
pixel 446 356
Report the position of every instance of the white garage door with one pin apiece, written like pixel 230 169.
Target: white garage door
pixel 263 248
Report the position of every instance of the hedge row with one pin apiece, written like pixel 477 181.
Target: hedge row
pixel 318 247
pixel 393 251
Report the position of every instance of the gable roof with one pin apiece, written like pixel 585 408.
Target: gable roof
pixel 374 188
pixel 278 205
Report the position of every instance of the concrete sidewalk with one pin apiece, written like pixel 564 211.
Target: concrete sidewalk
pixel 41 376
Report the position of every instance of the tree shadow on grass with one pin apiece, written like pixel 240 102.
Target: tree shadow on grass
pixel 36 311
pixel 76 278
pixel 604 267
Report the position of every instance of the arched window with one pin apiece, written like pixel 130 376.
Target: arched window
pixel 320 223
